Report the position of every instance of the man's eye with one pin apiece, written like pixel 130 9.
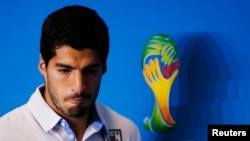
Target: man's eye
pixel 91 71
pixel 64 71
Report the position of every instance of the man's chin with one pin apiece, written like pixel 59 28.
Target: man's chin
pixel 79 111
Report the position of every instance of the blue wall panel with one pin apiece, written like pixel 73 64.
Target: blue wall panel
pixel 212 37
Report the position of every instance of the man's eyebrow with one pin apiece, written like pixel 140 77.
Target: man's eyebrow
pixel 95 65
pixel 61 65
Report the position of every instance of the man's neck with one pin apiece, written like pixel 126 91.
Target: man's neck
pixel 78 126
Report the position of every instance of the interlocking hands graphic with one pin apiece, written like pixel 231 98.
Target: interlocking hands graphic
pixel 159 76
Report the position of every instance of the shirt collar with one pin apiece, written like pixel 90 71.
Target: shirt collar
pixel 97 119
pixel 99 111
pixel 44 115
pixel 47 118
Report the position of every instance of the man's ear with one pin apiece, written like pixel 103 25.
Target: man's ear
pixel 42 66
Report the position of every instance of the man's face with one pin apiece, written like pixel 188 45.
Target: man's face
pixel 72 80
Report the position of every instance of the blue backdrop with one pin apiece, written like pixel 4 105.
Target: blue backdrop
pixel 212 37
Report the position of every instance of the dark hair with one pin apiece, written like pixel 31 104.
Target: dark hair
pixel 77 26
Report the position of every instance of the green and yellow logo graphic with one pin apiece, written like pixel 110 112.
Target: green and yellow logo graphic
pixel 160 68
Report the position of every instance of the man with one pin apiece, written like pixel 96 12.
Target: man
pixel 73 53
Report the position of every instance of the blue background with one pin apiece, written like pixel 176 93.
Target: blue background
pixel 212 37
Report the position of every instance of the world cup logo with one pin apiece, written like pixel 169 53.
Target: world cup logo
pixel 160 67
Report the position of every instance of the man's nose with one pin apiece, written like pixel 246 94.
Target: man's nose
pixel 79 83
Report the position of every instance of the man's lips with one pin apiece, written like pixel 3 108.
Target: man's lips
pixel 75 100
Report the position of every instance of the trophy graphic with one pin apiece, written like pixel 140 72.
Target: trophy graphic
pixel 160 67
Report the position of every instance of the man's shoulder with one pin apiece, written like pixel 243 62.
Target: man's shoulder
pixel 12 121
pixel 20 124
pixel 114 119
pixel 14 115
pixel 108 113
pixel 118 123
